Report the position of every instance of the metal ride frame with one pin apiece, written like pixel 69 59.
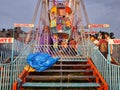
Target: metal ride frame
pixel 16 67
pixel 9 72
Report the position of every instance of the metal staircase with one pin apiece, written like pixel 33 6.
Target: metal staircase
pixel 72 72
pixel 66 74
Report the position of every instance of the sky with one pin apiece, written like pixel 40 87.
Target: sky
pixel 99 11
pixel 105 11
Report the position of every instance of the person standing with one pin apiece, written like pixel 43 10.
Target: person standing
pixel 103 46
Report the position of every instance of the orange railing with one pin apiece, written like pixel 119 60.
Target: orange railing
pixel 100 79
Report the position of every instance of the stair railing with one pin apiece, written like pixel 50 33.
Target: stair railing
pixel 19 66
pixel 116 53
pixel 9 72
pixel 6 50
pixel 110 72
pixel 60 50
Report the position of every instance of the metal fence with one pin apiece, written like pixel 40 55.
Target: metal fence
pixel 6 50
pixel 116 52
pixel 110 72
pixel 9 72
pixel 60 51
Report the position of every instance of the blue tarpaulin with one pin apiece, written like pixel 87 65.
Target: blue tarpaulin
pixel 41 61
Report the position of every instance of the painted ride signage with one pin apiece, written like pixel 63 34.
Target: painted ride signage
pixel 6 40
pixel 23 25
pixel 98 25
pixel 114 41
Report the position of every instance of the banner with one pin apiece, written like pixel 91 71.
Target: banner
pixel 114 41
pixel 23 25
pixel 98 25
pixel 6 40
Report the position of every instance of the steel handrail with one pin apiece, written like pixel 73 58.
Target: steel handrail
pixel 110 72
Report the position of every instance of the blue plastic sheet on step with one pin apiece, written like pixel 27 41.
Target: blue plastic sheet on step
pixel 41 61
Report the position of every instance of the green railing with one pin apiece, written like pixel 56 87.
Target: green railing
pixel 10 72
pixel 110 72
pixel 116 52
pixel 6 50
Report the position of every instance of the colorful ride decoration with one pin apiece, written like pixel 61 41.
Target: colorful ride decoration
pixel 68 10
pixel 60 23
pixel 55 40
pixel 40 61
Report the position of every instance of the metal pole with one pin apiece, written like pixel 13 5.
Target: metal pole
pixel 109 59
pixel 11 68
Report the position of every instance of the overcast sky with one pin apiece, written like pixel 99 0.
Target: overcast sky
pixel 105 11
pixel 99 11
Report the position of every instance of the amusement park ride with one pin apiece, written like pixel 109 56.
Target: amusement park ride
pixel 59 19
pixel 60 32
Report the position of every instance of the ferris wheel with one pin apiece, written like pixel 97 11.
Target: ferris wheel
pixel 59 20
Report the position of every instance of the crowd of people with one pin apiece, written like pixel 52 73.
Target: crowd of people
pixel 64 45
pixel 101 40
pixel 9 32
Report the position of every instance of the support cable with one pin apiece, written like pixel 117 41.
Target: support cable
pixel 33 20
